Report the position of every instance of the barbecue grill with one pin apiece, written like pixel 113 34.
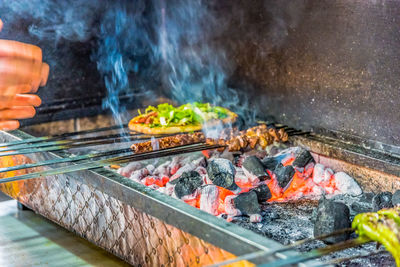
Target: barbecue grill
pixel 325 70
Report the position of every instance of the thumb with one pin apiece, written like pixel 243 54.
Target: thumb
pixel 1 25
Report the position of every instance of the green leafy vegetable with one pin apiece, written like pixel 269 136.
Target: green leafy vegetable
pixel 191 113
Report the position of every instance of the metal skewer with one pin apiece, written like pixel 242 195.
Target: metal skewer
pixel 359 256
pixel 73 145
pixel 65 160
pixel 80 141
pixel 108 139
pixel 114 160
pixel 63 135
pixel 258 254
pixel 316 253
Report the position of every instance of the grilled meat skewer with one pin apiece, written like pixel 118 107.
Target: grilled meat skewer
pixel 233 139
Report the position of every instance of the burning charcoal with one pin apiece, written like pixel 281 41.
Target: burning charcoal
pixel 187 183
pixel 201 162
pixel 364 204
pixel 230 208
pixel 303 158
pixel 175 164
pixel 129 169
pixel 169 189
pixel 247 203
pixel 328 173
pixel 263 193
pixel 139 174
pixel 209 199
pixel 396 198
pixel 346 184
pixel 253 168
pixel 151 168
pixel 382 200
pixel 238 160
pixel 255 218
pixel 222 173
pixel 270 163
pixel 201 170
pixel 163 169
pixel 318 174
pixel 186 168
pixel 332 216
pixel 240 177
pixel 191 197
pixel 203 173
pixel 227 155
pixel 284 174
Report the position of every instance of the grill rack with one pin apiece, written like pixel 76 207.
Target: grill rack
pixel 197 226
pixel 262 251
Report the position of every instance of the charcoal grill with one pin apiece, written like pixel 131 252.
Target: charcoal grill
pixel 134 222
pixel 330 67
pixel 143 226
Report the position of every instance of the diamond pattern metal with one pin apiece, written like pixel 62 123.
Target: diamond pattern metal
pixel 132 235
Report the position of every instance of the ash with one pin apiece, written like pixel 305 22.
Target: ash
pixel 289 222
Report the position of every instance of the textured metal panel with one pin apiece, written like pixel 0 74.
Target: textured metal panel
pixel 132 235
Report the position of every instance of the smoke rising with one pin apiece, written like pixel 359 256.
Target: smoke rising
pixel 144 45
pixel 54 20
pixel 123 41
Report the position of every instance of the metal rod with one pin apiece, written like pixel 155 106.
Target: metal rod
pixel 68 146
pixel 254 255
pixel 63 135
pixel 316 253
pixel 339 260
pixel 114 160
pixel 65 160
pixel 299 133
pixel 80 140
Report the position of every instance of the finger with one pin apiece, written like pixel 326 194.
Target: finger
pixel 8 94
pixel 19 71
pixel 24 112
pixel 22 88
pixel 11 91
pixel 26 100
pixel 1 25
pixel 36 77
pixel 44 74
pixel 9 125
pixel 14 49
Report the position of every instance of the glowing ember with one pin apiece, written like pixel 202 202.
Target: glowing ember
pixel 309 181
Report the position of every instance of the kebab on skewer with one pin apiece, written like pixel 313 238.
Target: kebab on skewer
pixel 233 139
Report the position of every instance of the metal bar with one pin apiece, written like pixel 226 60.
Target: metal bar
pixel 316 253
pixel 114 160
pixel 65 160
pixel 80 140
pixel 107 140
pixel 299 133
pixel 63 135
pixel 339 260
pixel 258 254
pixel 68 146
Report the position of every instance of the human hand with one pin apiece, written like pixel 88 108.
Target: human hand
pixel 21 73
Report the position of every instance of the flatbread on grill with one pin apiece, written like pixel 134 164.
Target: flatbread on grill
pixel 173 129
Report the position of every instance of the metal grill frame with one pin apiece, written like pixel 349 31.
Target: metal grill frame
pixel 68 200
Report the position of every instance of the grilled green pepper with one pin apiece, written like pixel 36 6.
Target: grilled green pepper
pixel 382 226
